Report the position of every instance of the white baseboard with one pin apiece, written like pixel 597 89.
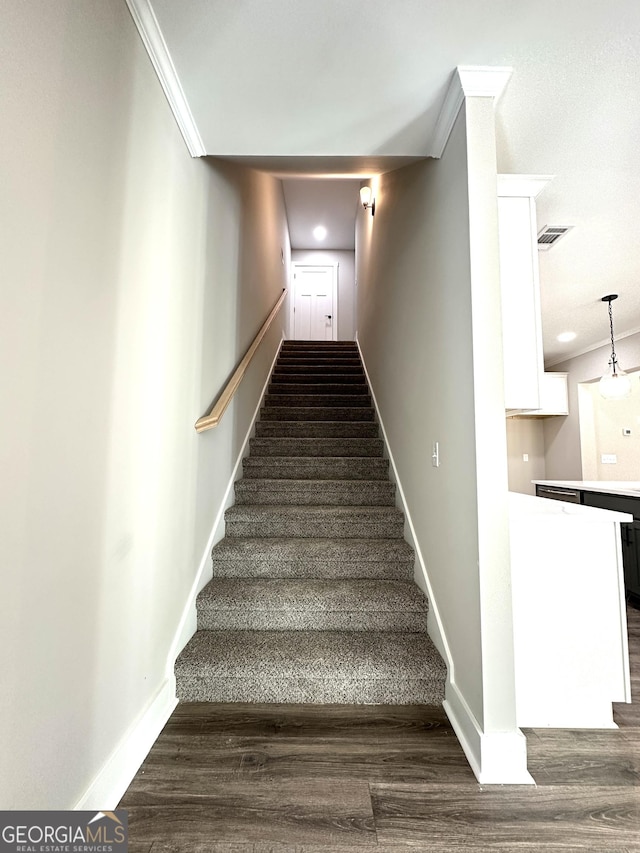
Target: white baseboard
pixel 188 622
pixel 496 758
pixel 435 627
pixel 108 787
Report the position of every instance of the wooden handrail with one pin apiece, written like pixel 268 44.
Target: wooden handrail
pixel 217 410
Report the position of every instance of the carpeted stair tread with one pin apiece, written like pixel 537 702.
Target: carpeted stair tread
pixel 312 400
pixel 314 521
pixel 316 378
pixel 311 604
pixel 317 429
pixel 317 413
pixel 292 557
pixel 311 595
pixel 316 467
pixel 361 493
pixel 316 446
pixel 306 388
pixel 316 362
pixel 310 666
pixel 336 370
pixel 324 345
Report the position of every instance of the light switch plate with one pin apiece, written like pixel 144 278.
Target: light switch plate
pixel 435 456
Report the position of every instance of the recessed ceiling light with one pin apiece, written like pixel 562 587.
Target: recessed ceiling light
pixel 565 337
pixel 319 232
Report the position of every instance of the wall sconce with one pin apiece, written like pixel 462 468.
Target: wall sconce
pixel 368 202
pixel 615 384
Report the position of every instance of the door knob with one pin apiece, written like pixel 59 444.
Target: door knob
pixel 328 316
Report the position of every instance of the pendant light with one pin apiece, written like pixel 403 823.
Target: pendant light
pixel 615 384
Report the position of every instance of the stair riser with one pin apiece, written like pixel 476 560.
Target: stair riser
pixel 336 370
pixel 317 378
pixel 324 364
pixel 210 619
pixel 316 413
pixel 322 468
pixel 315 493
pixel 337 447
pixel 317 400
pixel 257 567
pixel 396 691
pixel 391 528
pixel 322 388
pixel 316 429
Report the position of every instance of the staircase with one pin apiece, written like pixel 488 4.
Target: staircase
pixel 313 598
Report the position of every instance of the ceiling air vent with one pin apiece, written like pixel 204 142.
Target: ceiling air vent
pixel 550 235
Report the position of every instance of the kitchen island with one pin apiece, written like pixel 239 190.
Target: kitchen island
pixel 616 495
pixel 569 615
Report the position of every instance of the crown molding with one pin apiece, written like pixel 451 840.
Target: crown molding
pixel 483 81
pixel 519 186
pixel 153 40
pixel 604 344
pixel 467 81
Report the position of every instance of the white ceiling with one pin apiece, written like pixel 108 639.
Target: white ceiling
pixel 322 202
pixel 347 83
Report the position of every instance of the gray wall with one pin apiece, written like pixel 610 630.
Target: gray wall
pixel 346 283
pixel 562 435
pixel 525 435
pixel 134 278
pixel 429 324
pixel 414 313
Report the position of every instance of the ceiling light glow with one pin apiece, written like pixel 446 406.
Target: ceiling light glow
pixel 565 337
pixel 319 232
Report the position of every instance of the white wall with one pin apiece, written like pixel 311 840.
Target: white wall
pixel 346 283
pixel 562 435
pixel 133 280
pixel 430 331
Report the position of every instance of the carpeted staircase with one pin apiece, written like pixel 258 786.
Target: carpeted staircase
pixel 313 598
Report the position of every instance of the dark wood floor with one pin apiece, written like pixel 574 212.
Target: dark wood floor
pixel 315 779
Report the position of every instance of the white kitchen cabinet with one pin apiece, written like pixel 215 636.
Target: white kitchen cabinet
pixel 554 396
pixel 520 288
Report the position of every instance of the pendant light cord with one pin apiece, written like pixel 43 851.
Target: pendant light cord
pixel 614 360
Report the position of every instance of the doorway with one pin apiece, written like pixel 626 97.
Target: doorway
pixel 314 307
pixel 609 431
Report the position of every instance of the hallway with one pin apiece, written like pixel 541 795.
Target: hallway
pixel 319 779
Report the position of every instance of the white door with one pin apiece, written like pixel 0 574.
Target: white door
pixel 314 303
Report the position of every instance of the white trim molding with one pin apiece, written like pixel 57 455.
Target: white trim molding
pixel 496 758
pixel 155 45
pixel 522 186
pixel 108 787
pixel 467 81
pixel 188 621
pixel 434 622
